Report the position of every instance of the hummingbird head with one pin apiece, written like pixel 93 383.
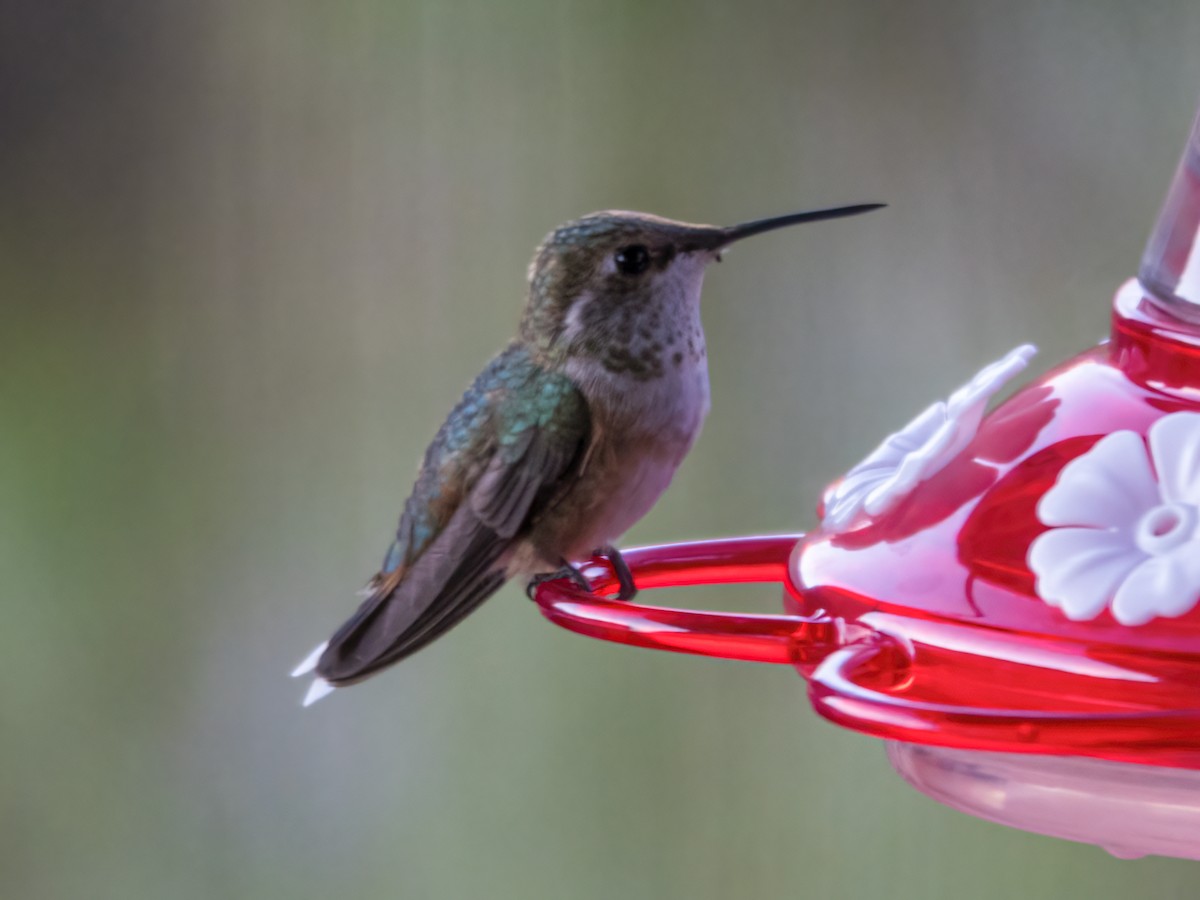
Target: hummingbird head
pixel 620 286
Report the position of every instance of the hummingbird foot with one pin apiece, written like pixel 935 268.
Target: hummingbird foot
pixel 566 571
pixel 628 590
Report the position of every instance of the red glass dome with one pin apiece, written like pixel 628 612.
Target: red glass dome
pixel 969 655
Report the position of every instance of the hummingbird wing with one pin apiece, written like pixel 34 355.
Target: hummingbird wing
pixel 505 452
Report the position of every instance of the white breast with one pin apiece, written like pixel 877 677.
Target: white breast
pixel 642 432
pixel 668 410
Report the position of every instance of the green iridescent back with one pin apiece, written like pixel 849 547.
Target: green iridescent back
pixel 512 395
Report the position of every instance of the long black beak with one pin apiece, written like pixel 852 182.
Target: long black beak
pixel 723 237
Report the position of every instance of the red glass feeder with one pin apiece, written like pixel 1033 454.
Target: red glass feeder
pixel 1013 602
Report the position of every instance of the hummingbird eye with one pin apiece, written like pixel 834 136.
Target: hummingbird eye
pixel 632 260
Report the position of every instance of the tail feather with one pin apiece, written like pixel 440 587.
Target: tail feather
pixel 318 689
pixel 310 661
pixel 408 609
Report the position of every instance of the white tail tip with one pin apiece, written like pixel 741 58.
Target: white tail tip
pixel 318 689
pixel 310 661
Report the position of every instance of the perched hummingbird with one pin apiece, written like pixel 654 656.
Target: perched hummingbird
pixel 562 442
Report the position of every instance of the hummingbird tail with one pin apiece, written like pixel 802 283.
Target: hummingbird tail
pixel 319 687
pixel 475 503
pixel 413 606
pixel 365 644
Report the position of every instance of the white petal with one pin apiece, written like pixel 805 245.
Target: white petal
pixel 935 446
pixel 1167 585
pixel 849 496
pixel 913 436
pixel 949 442
pixel 885 495
pixel 1079 569
pixel 1175 449
pixel 855 485
pixel 318 689
pixel 845 500
pixel 921 448
pixel 310 661
pixel 839 516
pixel 989 379
pixel 913 469
pixel 1110 486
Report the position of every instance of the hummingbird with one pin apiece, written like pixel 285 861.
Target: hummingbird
pixel 565 439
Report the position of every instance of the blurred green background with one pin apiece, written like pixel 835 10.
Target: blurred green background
pixel 250 254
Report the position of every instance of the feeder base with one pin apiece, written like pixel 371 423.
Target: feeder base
pixel 1130 810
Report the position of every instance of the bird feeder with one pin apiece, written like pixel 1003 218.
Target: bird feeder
pixel 1011 600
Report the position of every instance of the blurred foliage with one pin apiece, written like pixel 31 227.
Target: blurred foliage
pixel 250 252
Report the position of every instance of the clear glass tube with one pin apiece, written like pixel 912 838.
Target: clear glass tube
pixel 1170 270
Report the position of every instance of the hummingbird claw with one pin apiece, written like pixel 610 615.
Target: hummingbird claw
pixel 628 590
pixel 566 571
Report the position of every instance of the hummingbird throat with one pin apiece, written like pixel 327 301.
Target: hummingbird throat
pixel 643 335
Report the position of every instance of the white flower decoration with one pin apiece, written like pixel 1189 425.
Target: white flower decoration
pixel 1121 537
pixel 922 449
